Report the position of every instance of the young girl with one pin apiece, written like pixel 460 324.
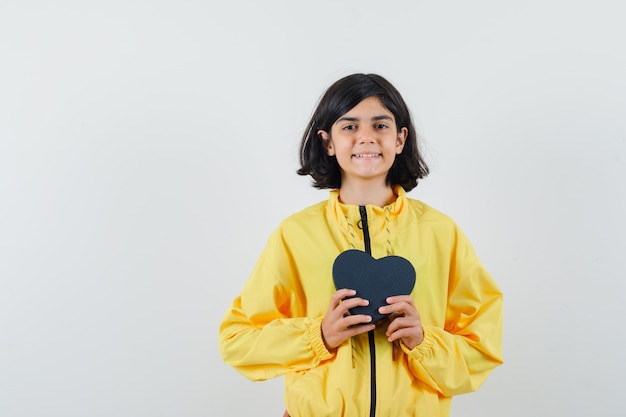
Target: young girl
pixel 441 340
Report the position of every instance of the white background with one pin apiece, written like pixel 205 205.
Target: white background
pixel 148 149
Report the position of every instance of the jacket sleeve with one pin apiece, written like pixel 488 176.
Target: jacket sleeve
pixel 457 358
pixel 263 334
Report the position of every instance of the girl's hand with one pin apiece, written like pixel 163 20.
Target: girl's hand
pixel 338 325
pixel 405 323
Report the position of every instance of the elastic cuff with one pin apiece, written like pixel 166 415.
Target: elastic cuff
pixel 317 343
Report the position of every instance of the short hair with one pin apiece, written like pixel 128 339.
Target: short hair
pixel 339 98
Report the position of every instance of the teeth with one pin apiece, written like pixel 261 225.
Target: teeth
pixel 366 155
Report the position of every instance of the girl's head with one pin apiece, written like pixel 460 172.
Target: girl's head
pixel 408 166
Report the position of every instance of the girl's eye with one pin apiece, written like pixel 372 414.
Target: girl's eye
pixel 349 127
pixel 381 126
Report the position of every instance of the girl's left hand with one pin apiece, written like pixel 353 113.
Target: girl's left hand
pixel 405 323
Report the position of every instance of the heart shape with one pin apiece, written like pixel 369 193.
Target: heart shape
pixel 373 279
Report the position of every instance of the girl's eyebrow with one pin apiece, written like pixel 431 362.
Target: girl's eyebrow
pixel 356 119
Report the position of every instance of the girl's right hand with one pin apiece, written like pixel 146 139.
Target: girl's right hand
pixel 338 325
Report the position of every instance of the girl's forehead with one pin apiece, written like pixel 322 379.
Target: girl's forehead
pixel 369 105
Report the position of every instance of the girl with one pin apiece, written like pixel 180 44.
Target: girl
pixel 441 340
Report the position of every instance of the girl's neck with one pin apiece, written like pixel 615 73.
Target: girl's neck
pixel 364 195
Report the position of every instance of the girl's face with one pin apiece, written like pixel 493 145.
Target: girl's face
pixel 365 142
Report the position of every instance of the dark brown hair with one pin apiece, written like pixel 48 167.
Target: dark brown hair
pixel 339 98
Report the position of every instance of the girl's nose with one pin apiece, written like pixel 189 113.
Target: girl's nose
pixel 366 136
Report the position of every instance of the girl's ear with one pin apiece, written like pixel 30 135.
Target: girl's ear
pixel 402 134
pixel 327 142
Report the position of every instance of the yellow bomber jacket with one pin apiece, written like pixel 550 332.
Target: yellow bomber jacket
pixel 273 327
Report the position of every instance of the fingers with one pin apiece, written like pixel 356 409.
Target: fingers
pixel 339 325
pixel 344 300
pixel 402 305
pixel 401 327
pixel 338 296
pixel 405 323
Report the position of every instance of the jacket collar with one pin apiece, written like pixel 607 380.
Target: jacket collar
pixel 380 219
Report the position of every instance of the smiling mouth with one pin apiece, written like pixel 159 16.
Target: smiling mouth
pixel 366 155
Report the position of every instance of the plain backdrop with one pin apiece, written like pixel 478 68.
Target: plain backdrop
pixel 149 148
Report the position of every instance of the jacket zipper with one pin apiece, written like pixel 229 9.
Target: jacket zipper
pixel 370 334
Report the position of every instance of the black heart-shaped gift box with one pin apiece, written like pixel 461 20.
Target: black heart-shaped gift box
pixel 373 279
